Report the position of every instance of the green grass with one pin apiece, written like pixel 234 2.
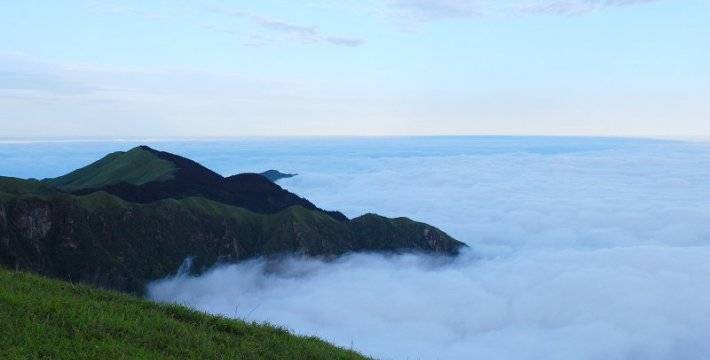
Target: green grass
pixel 136 166
pixel 10 187
pixel 50 319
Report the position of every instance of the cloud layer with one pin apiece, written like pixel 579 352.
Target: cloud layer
pixel 447 9
pixel 581 248
pixel 626 303
pixel 297 32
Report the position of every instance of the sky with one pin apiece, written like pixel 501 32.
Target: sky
pixel 347 67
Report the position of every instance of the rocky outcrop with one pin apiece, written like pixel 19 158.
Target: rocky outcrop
pixel 31 219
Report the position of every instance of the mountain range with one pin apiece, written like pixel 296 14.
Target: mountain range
pixel 135 216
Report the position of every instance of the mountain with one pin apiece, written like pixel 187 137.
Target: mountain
pixel 51 319
pixel 275 175
pixel 136 167
pixel 120 234
pixel 146 175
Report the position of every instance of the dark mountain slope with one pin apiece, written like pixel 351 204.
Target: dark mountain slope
pixel 275 175
pixel 146 175
pixel 104 240
pixel 378 233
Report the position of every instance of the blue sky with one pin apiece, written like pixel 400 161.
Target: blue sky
pixel 375 67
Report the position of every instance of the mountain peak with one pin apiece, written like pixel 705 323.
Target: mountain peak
pixel 144 148
pixel 144 175
pixel 137 166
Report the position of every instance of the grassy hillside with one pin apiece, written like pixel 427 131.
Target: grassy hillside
pixel 137 166
pixel 10 187
pixel 43 318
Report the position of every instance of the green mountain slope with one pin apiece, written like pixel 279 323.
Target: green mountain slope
pixel 51 319
pixel 145 175
pixel 137 166
pixel 104 240
pixel 10 187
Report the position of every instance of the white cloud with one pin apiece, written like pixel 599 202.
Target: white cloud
pixel 446 9
pixel 42 98
pixel 625 303
pixel 300 33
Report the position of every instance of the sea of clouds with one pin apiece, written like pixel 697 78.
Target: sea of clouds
pixel 581 248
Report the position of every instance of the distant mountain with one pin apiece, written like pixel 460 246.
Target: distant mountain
pixel 275 175
pixel 145 175
pixel 134 216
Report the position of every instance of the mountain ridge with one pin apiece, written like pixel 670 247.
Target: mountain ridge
pixel 161 175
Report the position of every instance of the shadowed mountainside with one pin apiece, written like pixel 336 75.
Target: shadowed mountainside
pixel 275 175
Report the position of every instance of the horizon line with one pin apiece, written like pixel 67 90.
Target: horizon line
pixel 69 139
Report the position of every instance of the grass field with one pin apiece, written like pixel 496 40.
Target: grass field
pixel 49 319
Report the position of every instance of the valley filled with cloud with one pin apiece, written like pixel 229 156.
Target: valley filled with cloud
pixel 579 248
